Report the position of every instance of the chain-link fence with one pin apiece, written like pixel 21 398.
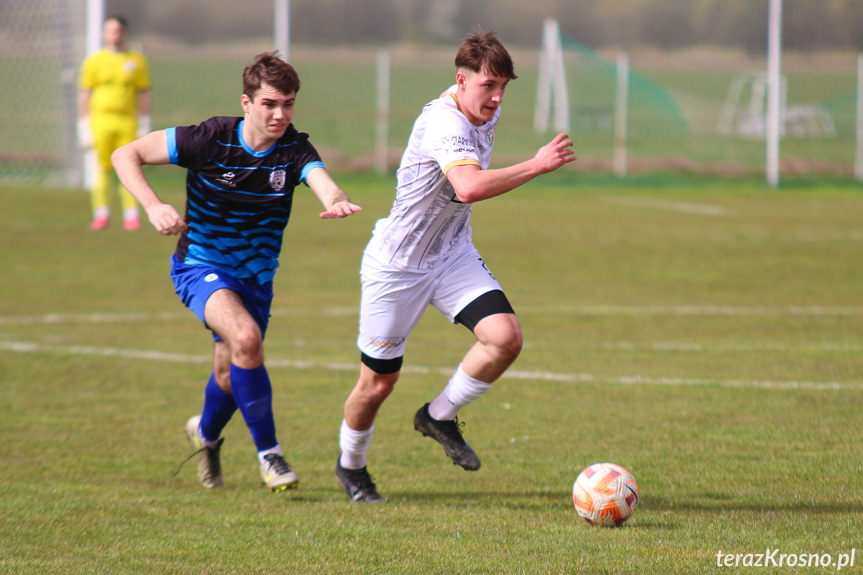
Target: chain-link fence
pixel 41 46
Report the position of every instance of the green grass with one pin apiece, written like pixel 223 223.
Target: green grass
pixel 705 335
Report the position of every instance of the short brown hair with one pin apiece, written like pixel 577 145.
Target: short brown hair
pixel 483 51
pixel 270 68
pixel 119 18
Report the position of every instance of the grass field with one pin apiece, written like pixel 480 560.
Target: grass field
pixel 705 335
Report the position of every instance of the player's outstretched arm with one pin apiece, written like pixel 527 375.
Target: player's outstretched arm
pixel 129 161
pixel 473 184
pixel 336 202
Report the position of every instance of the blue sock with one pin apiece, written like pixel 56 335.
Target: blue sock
pixel 219 407
pixel 254 396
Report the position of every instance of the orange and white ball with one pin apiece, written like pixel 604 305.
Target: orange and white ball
pixel 605 494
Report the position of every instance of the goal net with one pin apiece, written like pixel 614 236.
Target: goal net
pixel 703 110
pixel 587 106
pixel 42 42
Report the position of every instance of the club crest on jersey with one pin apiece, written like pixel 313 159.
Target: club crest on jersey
pixel 490 135
pixel 226 179
pixel 277 180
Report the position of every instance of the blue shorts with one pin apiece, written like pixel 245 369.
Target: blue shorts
pixel 196 283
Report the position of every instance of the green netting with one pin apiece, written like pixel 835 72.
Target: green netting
pixel 592 84
pixel 705 112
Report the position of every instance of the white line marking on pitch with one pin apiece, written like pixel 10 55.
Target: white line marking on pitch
pixel 670 206
pixel 598 309
pixel 730 310
pixel 134 317
pixel 25 347
pixel 676 346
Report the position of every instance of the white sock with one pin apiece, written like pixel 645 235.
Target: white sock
pixel 354 445
pixel 130 213
pixel 461 390
pixel 206 442
pixel 276 449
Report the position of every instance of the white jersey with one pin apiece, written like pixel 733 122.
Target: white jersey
pixel 427 222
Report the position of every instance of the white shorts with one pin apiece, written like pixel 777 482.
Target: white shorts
pixel 394 300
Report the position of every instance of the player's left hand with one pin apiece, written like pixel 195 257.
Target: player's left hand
pixel 341 209
pixel 555 154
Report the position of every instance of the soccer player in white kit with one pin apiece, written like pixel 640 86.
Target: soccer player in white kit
pixel 422 254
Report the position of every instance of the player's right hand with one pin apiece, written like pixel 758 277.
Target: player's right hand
pixel 166 220
pixel 85 134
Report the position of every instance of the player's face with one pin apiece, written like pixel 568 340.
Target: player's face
pixel 113 34
pixel 480 95
pixel 269 114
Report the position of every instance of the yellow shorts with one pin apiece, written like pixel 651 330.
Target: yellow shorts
pixel 110 131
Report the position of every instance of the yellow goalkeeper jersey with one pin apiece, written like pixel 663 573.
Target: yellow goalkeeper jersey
pixel 114 80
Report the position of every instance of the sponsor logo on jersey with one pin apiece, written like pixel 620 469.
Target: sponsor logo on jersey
pixel 209 278
pixel 277 180
pixel 457 140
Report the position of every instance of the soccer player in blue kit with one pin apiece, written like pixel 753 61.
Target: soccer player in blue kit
pixel 241 176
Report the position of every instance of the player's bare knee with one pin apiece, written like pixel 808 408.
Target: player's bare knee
pixel 382 385
pixel 379 393
pixel 510 348
pixel 505 346
pixel 378 377
pixel 247 346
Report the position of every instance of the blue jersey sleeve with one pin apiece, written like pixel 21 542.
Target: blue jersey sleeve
pixel 308 168
pixel 171 134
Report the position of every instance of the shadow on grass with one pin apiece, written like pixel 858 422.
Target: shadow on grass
pixel 512 499
pixel 721 503
pixel 547 500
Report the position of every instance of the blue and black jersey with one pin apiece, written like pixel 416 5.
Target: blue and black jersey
pixel 238 201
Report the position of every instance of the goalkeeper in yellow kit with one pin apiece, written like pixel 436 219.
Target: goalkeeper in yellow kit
pixel 113 110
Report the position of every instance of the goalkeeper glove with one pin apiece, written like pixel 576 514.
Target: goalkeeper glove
pixel 85 134
pixel 145 125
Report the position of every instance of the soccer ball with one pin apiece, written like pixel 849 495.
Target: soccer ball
pixel 605 494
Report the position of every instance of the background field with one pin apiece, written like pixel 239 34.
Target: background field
pixel 705 335
pixel 672 126
pixel 676 101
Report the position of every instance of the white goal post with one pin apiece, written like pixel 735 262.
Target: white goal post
pixel 93 43
pixel 282 23
pixel 774 90
pixel 858 162
pixel 552 93
pixel 621 106
pixel 551 81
